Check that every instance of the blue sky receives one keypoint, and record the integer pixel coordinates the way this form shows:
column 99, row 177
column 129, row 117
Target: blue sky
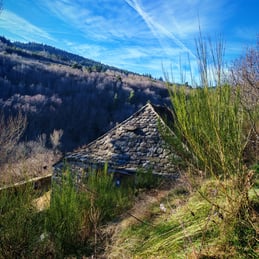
column 137, row 35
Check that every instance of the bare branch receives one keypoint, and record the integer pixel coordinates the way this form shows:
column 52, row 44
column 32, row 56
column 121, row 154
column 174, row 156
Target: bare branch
column 245, row 73
column 11, row 130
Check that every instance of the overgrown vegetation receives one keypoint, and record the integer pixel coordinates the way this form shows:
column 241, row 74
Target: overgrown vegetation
column 71, row 224
column 212, row 129
column 20, row 226
column 213, row 211
column 64, row 218
column 189, row 228
column 210, row 122
column 146, row 180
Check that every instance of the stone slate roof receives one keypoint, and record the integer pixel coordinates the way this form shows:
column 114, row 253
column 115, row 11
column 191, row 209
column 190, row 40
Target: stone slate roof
column 135, row 143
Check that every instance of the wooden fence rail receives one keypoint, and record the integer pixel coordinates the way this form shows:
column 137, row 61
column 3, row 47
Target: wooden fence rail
column 39, row 183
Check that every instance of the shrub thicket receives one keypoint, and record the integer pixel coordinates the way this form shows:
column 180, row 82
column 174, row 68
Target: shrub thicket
column 71, row 224
column 209, row 132
column 20, row 226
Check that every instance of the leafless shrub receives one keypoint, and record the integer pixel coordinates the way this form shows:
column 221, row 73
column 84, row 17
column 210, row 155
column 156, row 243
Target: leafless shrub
column 29, row 149
column 55, row 138
column 11, row 130
column 22, row 160
column 28, row 159
column 42, row 139
column 245, row 73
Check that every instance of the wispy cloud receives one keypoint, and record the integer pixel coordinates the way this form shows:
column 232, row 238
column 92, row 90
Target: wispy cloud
column 158, row 30
column 20, row 27
column 169, row 24
column 136, row 35
column 126, row 40
column 99, row 20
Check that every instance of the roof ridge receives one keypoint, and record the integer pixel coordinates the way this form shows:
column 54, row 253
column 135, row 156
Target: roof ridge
column 134, row 142
column 148, row 104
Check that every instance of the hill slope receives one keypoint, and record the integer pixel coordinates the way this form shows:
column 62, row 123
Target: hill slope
column 60, row 90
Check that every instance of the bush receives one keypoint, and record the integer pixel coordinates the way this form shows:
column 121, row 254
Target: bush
column 78, row 209
column 64, row 218
column 11, row 130
column 209, row 132
column 20, row 225
column 209, row 122
column 71, row 224
column 105, row 196
column 147, row 180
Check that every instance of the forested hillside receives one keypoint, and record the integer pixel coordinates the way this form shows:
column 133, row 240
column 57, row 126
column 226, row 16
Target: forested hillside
column 59, row 90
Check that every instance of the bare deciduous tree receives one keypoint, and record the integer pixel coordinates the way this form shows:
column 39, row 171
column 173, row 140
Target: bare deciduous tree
column 55, row 138
column 11, row 130
column 245, row 73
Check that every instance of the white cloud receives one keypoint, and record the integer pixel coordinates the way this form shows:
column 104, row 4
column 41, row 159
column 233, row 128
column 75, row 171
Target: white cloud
column 22, row 28
column 97, row 20
column 159, row 31
column 137, row 35
column 91, row 51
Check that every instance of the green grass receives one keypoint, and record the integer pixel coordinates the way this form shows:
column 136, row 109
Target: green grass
column 190, row 228
column 174, row 237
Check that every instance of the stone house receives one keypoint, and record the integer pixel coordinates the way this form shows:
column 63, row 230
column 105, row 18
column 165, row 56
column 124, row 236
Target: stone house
column 133, row 144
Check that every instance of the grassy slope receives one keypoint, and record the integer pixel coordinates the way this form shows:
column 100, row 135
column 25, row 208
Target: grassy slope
column 188, row 229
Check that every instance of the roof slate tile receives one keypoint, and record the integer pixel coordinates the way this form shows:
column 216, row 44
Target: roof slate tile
column 134, row 143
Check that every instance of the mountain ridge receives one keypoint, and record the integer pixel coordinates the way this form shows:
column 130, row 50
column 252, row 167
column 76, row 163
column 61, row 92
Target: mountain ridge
column 52, row 53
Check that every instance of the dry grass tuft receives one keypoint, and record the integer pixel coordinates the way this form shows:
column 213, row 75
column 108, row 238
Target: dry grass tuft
column 138, row 214
column 43, row 202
